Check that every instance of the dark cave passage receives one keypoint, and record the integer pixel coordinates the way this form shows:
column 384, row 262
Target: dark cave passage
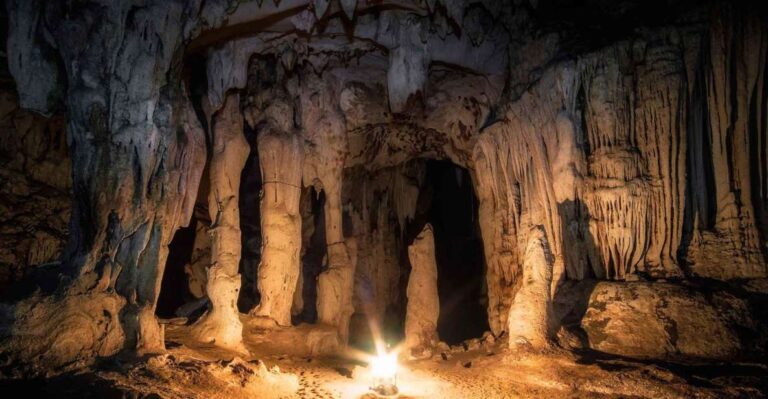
column 448, row 202
column 174, row 289
column 314, row 251
column 459, row 253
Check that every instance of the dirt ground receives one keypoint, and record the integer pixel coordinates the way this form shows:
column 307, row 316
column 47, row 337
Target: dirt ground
column 191, row 370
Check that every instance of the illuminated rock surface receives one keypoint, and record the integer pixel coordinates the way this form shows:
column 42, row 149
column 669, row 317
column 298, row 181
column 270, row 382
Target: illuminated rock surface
column 185, row 180
column 423, row 302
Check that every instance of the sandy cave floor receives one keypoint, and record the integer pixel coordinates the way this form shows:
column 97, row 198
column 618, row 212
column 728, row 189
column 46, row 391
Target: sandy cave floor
column 192, row 370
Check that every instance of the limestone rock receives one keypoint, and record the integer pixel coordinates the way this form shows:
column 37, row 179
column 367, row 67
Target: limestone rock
column 530, row 315
column 423, row 302
column 657, row 320
column 279, row 154
column 222, row 325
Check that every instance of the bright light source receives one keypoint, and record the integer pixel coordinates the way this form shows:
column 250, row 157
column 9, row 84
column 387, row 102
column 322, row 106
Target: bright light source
column 384, row 366
column 384, row 373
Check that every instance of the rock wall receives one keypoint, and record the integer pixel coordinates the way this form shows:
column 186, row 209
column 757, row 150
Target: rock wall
column 662, row 320
column 135, row 145
column 35, row 192
column 611, row 152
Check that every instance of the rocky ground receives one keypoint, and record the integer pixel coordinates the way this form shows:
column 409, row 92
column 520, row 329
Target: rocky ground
column 476, row 369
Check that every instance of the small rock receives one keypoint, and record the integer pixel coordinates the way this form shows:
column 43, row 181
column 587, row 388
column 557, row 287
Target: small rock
column 443, row 347
column 473, row 344
column 488, row 338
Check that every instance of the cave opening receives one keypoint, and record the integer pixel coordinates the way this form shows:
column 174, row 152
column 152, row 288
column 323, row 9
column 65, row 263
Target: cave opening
column 174, row 289
column 447, row 201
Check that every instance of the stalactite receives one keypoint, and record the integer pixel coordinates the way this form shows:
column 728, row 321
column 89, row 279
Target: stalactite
column 372, row 213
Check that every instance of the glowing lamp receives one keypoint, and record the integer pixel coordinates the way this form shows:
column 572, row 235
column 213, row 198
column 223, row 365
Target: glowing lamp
column 384, row 374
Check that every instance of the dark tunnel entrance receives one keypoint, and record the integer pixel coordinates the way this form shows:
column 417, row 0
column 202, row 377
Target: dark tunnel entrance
column 313, row 254
column 448, row 202
column 174, row 291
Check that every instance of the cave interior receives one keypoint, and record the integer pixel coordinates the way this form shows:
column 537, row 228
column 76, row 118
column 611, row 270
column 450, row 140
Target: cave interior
column 384, row 198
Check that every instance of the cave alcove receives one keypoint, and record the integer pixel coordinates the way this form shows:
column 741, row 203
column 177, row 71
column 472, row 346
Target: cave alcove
column 174, row 289
column 447, row 201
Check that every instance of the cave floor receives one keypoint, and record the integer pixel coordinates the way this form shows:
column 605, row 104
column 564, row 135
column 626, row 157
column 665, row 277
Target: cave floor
column 191, row 370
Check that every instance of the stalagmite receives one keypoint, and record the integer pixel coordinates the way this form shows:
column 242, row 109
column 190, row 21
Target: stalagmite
column 530, row 315
column 222, row 325
column 423, row 302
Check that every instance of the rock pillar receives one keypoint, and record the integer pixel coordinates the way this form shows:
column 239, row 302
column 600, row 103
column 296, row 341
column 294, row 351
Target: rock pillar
column 222, row 324
column 529, row 316
column 335, row 286
column 281, row 156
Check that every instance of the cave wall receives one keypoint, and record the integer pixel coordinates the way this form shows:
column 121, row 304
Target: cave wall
column 635, row 157
column 35, row 194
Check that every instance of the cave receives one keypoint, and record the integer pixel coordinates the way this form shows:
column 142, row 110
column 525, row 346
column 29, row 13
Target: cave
column 384, row 198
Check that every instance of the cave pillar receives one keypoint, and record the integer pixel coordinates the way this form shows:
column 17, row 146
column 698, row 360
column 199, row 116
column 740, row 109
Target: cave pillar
column 530, row 314
column 281, row 157
column 423, row 307
column 222, row 324
column 336, row 284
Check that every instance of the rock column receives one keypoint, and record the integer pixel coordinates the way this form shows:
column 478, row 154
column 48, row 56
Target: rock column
column 335, row 286
column 529, row 315
column 281, row 155
column 222, row 324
